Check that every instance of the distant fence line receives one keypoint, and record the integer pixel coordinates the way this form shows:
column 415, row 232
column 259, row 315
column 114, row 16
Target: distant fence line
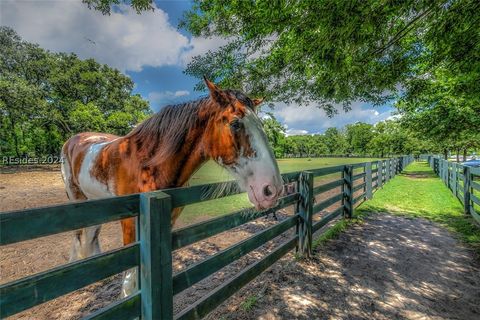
column 305, row 155
column 152, row 252
column 462, row 180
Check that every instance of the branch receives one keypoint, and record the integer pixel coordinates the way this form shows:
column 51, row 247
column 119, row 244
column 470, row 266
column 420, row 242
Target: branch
column 402, row 33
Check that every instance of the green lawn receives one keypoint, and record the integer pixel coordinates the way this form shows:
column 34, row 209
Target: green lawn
column 211, row 172
column 417, row 192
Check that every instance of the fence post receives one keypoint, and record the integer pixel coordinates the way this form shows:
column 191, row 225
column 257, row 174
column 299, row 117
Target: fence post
column 306, row 213
column 379, row 174
column 387, row 170
column 368, row 180
column 454, row 178
column 448, row 173
column 444, row 164
column 156, row 256
column 466, row 189
column 348, row 191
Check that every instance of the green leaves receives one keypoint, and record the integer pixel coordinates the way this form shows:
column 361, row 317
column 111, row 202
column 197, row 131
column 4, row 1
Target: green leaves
column 331, row 52
column 47, row 97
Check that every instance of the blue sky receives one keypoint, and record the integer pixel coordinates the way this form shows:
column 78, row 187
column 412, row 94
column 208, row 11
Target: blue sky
column 152, row 51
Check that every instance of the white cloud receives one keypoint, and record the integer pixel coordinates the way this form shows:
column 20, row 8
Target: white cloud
column 296, row 132
column 199, row 46
column 159, row 99
column 125, row 39
column 181, row 93
column 310, row 119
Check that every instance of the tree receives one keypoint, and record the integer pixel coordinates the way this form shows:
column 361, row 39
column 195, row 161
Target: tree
column 328, row 52
column 275, row 132
column 105, row 6
column 358, row 137
column 47, row 97
column 335, row 141
column 439, row 109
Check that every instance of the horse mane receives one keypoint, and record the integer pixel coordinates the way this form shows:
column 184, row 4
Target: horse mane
column 168, row 128
column 165, row 132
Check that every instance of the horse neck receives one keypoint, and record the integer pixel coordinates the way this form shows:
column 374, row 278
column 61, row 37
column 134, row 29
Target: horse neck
column 172, row 169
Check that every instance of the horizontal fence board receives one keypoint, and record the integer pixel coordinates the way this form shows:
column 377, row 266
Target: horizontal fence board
column 357, row 165
column 125, row 309
column 359, row 198
column 359, row 187
column 222, row 293
column 475, row 199
column 195, row 194
column 475, row 185
column 327, row 186
column 358, row 176
column 474, row 215
column 27, row 292
column 327, row 203
column 203, row 269
column 329, row 217
column 188, row 235
column 326, row 170
column 475, row 171
column 29, row 224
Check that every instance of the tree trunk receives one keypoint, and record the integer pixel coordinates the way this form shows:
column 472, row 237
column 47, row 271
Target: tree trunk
column 445, row 154
column 458, row 154
column 465, row 154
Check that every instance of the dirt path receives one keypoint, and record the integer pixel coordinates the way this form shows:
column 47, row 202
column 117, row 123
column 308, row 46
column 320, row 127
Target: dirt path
column 388, row 267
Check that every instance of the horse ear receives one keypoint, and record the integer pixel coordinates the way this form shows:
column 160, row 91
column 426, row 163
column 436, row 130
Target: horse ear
column 215, row 92
column 257, row 102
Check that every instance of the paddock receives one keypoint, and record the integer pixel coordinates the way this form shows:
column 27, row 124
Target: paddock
column 94, row 297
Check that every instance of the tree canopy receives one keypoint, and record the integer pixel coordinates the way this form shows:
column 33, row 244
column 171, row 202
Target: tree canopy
column 328, row 52
column 46, row 97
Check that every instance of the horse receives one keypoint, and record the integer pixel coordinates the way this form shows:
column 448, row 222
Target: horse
column 164, row 151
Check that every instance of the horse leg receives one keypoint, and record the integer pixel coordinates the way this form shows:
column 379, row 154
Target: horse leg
column 130, row 277
column 175, row 214
column 85, row 243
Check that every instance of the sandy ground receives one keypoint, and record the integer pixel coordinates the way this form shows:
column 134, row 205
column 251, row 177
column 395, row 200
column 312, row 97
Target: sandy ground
column 388, row 267
column 385, row 268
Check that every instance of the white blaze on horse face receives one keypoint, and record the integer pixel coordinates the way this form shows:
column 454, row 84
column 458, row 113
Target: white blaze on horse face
column 90, row 186
column 259, row 175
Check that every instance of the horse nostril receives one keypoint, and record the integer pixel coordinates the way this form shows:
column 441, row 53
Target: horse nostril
column 269, row 191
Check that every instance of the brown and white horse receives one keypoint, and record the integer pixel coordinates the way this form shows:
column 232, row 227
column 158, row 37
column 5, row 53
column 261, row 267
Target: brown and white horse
column 163, row 152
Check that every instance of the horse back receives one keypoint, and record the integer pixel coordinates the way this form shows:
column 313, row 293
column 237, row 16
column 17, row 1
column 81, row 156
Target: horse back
column 78, row 150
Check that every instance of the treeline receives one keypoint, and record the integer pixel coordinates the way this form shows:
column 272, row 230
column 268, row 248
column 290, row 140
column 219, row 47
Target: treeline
column 46, row 97
column 384, row 139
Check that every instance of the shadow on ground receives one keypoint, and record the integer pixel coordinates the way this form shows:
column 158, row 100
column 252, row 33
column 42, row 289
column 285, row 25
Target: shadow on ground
column 388, row 267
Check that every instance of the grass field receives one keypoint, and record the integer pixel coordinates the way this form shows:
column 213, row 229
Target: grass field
column 418, row 192
column 211, row 172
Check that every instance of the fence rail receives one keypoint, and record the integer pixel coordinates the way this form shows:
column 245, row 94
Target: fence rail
column 152, row 252
column 463, row 181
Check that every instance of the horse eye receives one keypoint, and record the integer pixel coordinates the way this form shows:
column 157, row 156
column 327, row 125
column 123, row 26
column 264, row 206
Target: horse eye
column 235, row 125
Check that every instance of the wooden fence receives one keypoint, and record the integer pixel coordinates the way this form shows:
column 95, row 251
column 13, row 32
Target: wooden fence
column 152, row 253
column 463, row 181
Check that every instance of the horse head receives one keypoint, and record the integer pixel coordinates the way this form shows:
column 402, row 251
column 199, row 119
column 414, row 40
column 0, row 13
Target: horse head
column 237, row 142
